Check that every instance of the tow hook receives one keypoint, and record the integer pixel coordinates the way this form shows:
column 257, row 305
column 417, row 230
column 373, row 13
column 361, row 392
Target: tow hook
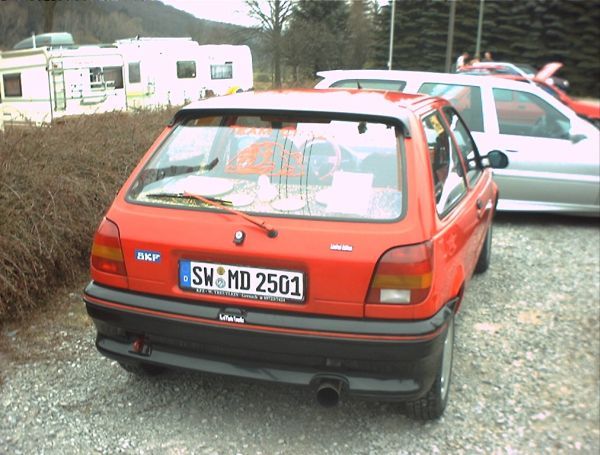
column 140, row 346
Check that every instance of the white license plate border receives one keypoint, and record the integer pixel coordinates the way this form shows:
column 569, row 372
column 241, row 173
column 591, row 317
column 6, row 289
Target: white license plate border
column 241, row 295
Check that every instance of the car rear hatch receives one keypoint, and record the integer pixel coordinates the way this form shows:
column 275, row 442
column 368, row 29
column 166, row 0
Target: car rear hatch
column 286, row 212
column 310, row 266
column 548, row 70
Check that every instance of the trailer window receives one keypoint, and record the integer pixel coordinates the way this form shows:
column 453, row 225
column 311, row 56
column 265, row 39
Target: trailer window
column 221, row 71
column 186, row 69
column 107, row 77
column 134, row 73
column 12, row 85
column 114, row 75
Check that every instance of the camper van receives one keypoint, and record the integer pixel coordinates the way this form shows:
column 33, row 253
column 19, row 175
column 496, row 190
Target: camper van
column 160, row 71
column 40, row 85
column 226, row 68
column 175, row 71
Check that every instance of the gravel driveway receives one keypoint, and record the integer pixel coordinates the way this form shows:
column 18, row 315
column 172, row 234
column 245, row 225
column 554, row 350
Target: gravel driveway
column 526, row 376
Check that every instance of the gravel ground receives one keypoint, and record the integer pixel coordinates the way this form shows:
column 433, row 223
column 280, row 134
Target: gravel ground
column 526, row 376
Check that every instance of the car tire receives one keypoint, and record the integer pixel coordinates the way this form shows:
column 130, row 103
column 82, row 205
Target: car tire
column 433, row 404
column 485, row 257
column 142, row 369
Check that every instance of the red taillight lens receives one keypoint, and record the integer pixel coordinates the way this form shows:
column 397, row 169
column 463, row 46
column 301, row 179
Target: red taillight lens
column 403, row 275
column 107, row 255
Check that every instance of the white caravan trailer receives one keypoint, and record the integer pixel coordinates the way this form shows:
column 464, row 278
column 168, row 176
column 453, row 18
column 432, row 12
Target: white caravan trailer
column 175, row 71
column 161, row 71
column 40, row 85
column 226, row 68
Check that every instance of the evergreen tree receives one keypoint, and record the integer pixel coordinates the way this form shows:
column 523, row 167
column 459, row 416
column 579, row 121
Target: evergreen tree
column 360, row 28
column 380, row 43
column 524, row 31
column 434, row 36
column 318, row 36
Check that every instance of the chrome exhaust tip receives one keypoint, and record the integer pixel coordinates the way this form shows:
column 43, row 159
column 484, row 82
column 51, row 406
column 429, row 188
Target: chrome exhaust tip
column 328, row 393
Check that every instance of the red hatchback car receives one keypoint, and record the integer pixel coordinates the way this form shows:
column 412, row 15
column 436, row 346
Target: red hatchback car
column 312, row 237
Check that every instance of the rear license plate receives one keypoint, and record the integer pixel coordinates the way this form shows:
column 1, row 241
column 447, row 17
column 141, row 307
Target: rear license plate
column 244, row 282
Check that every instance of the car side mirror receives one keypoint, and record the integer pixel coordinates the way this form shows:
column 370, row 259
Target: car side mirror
column 575, row 138
column 495, row 159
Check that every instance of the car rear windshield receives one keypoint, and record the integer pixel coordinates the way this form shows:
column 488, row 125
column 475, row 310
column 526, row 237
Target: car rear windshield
column 372, row 84
column 297, row 166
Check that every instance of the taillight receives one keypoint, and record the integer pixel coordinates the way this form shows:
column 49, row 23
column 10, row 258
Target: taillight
column 403, row 275
column 107, row 255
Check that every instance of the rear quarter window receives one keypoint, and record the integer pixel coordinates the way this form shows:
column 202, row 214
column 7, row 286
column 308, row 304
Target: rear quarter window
column 449, row 185
column 465, row 144
column 465, row 98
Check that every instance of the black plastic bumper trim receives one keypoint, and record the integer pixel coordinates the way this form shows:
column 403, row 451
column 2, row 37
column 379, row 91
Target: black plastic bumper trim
column 278, row 320
column 363, row 385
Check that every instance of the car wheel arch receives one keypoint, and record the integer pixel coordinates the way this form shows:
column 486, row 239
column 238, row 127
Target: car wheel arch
column 459, row 297
column 452, row 290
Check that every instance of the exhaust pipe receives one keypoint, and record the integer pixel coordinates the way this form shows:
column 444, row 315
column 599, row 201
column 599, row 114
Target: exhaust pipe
column 328, row 392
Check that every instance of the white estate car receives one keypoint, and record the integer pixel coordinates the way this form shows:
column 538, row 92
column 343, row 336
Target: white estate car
column 554, row 155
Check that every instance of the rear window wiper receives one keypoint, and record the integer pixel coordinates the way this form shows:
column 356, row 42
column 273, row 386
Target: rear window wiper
column 271, row 231
column 220, row 204
column 223, row 202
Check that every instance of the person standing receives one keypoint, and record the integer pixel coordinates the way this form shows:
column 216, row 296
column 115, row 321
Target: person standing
column 462, row 60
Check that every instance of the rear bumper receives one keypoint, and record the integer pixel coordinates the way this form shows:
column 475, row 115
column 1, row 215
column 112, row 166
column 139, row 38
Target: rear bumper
column 392, row 360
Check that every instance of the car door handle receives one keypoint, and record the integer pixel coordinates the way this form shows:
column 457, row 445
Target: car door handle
column 480, row 209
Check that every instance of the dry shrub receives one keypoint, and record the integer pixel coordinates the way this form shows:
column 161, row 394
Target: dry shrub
column 55, row 184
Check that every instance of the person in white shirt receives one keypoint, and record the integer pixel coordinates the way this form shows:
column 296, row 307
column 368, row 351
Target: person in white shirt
column 462, row 60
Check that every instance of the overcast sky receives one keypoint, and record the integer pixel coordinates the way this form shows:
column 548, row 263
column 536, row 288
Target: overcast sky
column 230, row 11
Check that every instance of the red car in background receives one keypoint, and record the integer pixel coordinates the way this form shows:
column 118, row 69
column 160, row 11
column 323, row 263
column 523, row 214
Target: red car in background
column 320, row 238
column 544, row 79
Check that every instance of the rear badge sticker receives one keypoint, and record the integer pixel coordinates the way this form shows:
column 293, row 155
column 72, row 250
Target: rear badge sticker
column 147, row 256
column 340, row 247
column 236, row 317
